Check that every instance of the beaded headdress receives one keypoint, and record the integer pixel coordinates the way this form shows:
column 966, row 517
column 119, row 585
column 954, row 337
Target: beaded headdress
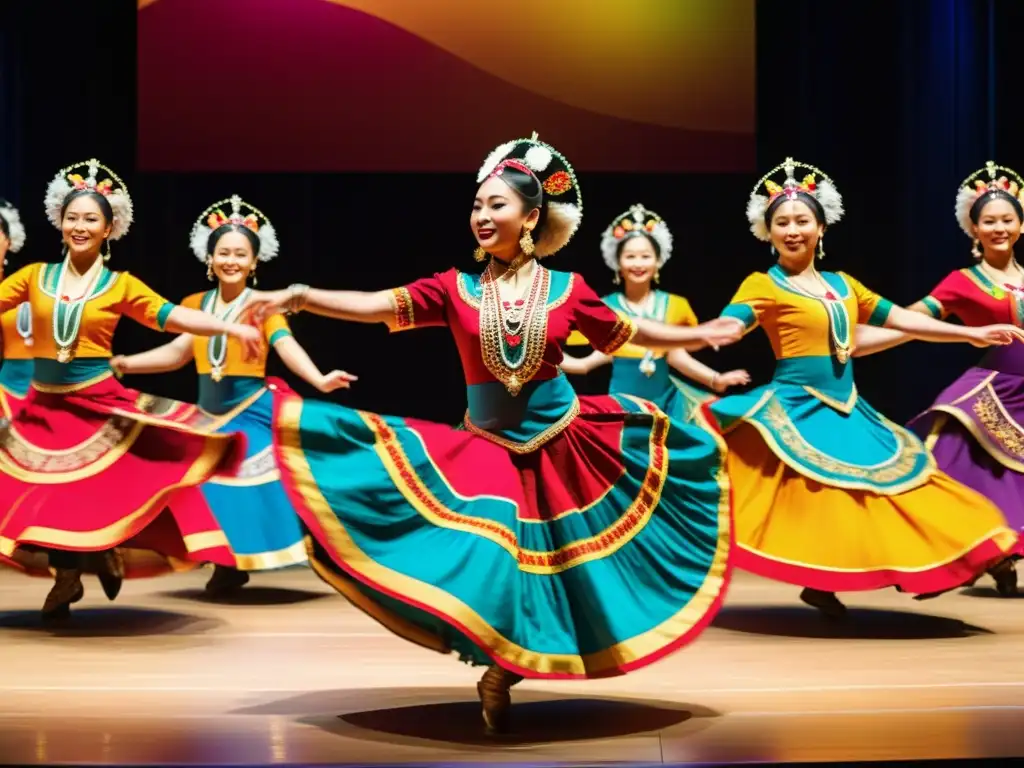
column 815, row 183
column 241, row 214
column 632, row 223
column 86, row 176
column 15, row 229
column 561, row 191
column 985, row 181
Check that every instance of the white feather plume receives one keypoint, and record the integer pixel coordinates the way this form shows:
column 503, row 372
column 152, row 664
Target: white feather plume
column 14, row 227
column 965, row 197
column 200, row 238
column 563, row 221
column 831, row 201
column 537, row 158
column 756, row 206
column 493, row 159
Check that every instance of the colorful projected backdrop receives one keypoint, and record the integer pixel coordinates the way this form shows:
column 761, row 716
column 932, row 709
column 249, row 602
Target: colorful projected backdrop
column 433, row 85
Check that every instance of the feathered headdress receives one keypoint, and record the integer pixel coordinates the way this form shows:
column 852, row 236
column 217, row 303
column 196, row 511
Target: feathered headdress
column 628, row 224
column 15, row 229
column 815, row 183
column 974, row 187
column 251, row 218
column 561, row 195
column 71, row 179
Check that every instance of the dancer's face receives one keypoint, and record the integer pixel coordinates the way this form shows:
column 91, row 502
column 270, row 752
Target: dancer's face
column 499, row 218
column 84, row 226
column 795, row 233
column 638, row 261
column 233, row 258
column 998, row 228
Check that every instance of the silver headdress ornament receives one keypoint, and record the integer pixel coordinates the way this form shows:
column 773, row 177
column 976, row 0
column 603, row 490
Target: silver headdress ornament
column 815, row 183
column 631, row 223
column 562, row 196
column 974, row 186
column 15, row 229
column 253, row 219
column 67, row 181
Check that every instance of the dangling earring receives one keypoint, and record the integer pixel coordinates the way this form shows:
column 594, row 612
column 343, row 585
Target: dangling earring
column 976, row 250
column 773, row 250
column 657, row 275
column 209, row 270
column 106, row 256
column 252, row 273
column 617, row 279
column 821, row 247
column 526, row 243
column 480, row 254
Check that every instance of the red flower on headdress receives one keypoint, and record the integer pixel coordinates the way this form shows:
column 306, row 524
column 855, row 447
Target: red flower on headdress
column 558, row 183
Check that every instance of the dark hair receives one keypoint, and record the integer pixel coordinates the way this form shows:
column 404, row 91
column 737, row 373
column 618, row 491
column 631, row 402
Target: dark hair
column 219, row 232
column 638, row 233
column 995, row 194
column 3, row 221
column 104, row 204
column 528, row 187
column 810, row 200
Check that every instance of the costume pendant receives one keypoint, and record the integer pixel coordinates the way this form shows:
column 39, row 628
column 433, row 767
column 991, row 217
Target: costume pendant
column 28, row 341
column 65, row 354
column 647, row 366
column 513, row 385
column 842, row 355
column 217, row 373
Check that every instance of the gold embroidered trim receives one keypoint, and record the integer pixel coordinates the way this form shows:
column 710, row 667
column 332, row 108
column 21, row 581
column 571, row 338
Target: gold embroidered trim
column 622, row 333
column 908, row 451
column 64, row 389
column 401, row 303
column 534, row 442
column 998, row 423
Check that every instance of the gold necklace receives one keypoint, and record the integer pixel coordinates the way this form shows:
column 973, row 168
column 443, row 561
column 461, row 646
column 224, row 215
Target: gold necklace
column 513, row 332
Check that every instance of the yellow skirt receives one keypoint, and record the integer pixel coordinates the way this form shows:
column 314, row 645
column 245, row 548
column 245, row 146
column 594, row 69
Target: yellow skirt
column 791, row 528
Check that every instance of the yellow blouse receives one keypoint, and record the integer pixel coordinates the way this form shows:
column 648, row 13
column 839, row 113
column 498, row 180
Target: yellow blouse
column 14, row 344
column 275, row 327
column 669, row 308
column 798, row 325
column 114, row 294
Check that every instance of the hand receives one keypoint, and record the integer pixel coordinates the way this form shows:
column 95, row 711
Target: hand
column 721, row 332
column 722, row 381
column 118, row 365
column 251, row 338
column 263, row 304
column 335, row 380
column 994, row 335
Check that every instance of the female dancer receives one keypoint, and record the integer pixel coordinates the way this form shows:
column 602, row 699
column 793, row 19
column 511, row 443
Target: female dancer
column 16, row 324
column 555, row 536
column 87, row 466
column 235, row 394
column 974, row 427
column 829, row 494
column 635, row 247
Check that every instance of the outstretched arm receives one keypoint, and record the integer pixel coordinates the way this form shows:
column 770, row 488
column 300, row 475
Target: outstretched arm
column 581, row 366
column 662, row 337
column 167, row 357
column 358, row 306
column 299, row 363
column 694, row 369
column 870, row 339
column 927, row 328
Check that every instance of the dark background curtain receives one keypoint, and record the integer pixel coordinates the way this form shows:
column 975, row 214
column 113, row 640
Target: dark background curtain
column 897, row 101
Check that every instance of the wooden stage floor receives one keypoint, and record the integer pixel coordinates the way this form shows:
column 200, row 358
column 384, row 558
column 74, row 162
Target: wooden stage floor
column 290, row 673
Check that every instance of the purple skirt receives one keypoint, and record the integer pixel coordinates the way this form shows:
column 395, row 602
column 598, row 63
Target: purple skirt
column 975, row 429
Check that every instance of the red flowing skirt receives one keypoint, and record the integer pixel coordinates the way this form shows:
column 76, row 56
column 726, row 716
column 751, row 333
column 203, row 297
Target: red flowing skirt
column 103, row 467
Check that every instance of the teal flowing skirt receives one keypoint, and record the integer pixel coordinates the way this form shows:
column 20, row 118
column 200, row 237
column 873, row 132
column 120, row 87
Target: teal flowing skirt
column 594, row 553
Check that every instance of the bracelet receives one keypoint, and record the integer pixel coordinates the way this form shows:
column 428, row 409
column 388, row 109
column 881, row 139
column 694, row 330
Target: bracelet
column 297, row 300
column 711, row 384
